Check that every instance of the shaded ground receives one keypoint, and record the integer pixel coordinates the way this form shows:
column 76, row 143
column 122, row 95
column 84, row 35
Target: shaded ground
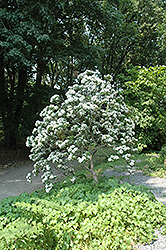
column 13, row 180
column 13, row 156
column 14, row 166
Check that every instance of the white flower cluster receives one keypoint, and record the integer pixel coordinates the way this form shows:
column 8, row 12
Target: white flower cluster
column 92, row 115
column 113, row 157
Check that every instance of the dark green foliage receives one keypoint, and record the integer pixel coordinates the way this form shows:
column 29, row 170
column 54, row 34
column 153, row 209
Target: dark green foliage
column 162, row 154
column 48, row 43
column 39, row 43
column 81, row 216
column 132, row 34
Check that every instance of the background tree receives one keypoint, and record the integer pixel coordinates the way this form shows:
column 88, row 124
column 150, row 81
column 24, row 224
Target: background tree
column 46, row 43
column 131, row 34
column 150, row 18
column 145, row 90
column 34, row 35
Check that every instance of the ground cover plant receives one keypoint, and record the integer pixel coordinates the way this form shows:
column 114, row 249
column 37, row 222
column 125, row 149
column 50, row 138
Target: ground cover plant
column 81, row 215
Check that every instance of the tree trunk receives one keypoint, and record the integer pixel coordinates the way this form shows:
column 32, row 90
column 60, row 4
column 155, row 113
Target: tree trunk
column 10, row 140
column 2, row 90
column 92, row 171
column 13, row 118
column 4, row 107
column 39, row 76
column 20, row 95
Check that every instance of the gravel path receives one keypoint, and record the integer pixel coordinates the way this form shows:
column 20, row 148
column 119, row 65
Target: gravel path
column 157, row 185
column 13, row 180
column 159, row 244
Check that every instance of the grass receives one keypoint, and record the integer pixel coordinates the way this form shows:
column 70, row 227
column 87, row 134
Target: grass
column 150, row 164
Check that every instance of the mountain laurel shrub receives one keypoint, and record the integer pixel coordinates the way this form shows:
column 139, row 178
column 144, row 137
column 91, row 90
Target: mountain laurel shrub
column 93, row 116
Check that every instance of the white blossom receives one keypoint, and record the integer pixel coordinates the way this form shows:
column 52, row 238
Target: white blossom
column 113, row 158
column 132, row 163
column 29, row 177
column 81, row 159
column 92, row 115
column 54, row 98
column 73, row 179
column 48, row 187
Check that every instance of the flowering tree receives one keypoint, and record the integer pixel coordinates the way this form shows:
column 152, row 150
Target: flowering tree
column 92, row 116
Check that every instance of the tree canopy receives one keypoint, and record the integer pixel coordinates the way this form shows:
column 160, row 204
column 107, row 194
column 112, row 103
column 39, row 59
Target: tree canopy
column 45, row 44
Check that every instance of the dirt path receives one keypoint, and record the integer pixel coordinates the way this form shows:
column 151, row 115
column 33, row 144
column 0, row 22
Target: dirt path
column 13, row 181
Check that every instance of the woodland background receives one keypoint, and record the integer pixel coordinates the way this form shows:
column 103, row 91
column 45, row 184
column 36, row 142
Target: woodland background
column 45, row 44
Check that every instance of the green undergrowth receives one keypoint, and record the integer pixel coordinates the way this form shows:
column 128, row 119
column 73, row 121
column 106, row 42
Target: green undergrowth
column 81, row 215
column 151, row 164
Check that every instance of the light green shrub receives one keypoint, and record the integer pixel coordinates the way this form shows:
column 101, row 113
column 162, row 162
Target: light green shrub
column 145, row 90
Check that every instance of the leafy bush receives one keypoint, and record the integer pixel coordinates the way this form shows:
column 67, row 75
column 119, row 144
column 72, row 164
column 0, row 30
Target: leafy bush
column 81, row 216
column 93, row 116
column 162, row 154
column 155, row 164
column 145, row 90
